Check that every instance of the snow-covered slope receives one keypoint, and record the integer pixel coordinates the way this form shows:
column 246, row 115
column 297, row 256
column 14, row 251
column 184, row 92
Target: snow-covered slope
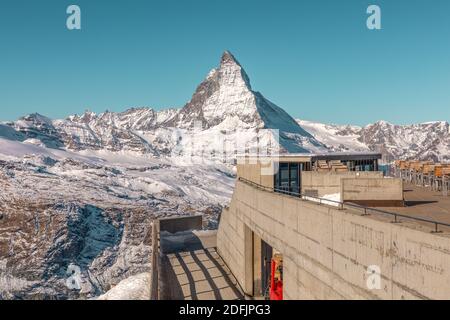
column 92, row 209
column 336, row 137
column 425, row 141
column 133, row 288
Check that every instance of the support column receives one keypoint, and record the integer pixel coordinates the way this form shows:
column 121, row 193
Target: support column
column 248, row 264
column 257, row 275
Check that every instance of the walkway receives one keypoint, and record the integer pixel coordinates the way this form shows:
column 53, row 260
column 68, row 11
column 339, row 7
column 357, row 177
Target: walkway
column 191, row 269
column 425, row 203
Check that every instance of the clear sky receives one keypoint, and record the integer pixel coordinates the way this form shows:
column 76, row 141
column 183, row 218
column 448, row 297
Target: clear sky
column 316, row 59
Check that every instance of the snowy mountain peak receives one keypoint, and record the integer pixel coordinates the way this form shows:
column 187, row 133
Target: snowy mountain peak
column 86, row 117
column 229, row 65
column 36, row 118
column 224, row 96
column 228, row 57
column 226, row 100
column 383, row 123
column 37, row 126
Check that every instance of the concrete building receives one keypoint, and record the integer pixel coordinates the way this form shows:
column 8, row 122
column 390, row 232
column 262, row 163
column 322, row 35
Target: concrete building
column 332, row 248
column 352, row 177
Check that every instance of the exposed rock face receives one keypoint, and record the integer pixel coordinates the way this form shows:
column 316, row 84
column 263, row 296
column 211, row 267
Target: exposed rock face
column 47, row 238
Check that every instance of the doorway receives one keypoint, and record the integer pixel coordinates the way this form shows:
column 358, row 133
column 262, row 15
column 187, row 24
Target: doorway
column 263, row 268
column 266, row 261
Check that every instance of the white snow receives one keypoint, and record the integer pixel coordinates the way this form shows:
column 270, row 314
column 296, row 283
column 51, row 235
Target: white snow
column 201, row 182
column 9, row 148
column 35, row 142
column 328, row 199
column 133, row 288
column 335, row 135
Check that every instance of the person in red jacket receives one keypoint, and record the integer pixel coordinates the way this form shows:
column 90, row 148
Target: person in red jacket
column 276, row 281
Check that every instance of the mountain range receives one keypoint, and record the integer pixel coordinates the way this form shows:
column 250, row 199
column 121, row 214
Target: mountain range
column 225, row 102
column 423, row 141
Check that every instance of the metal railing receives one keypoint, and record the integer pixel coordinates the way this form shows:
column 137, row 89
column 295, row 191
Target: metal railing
column 366, row 211
column 429, row 180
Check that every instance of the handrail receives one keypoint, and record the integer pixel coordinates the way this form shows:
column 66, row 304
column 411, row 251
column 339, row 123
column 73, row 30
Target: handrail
column 342, row 205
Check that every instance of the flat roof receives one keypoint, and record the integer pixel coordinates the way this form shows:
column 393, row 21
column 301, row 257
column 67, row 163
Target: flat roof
column 321, row 156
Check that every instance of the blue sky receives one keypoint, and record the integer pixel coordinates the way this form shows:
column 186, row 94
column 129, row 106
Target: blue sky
column 316, row 59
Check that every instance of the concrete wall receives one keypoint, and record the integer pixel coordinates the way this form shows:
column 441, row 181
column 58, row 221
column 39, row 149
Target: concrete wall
column 325, row 183
column 179, row 224
column 369, row 191
column 327, row 251
column 262, row 174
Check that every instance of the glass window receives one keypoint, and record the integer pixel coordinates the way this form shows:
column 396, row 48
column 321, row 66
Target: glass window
column 284, row 172
column 284, row 176
column 294, row 172
column 294, row 182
